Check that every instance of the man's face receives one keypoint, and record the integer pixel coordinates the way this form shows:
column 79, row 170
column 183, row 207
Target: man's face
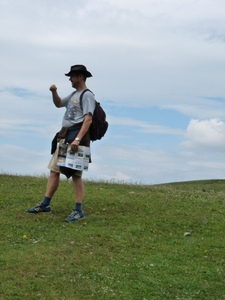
column 75, row 79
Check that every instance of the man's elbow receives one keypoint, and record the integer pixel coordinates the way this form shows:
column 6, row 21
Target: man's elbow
column 89, row 122
column 88, row 119
column 58, row 104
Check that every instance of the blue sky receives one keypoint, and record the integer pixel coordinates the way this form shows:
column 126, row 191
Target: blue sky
column 158, row 70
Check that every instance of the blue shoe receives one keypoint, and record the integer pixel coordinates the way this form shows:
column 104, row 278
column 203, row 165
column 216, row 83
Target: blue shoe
column 39, row 208
column 75, row 216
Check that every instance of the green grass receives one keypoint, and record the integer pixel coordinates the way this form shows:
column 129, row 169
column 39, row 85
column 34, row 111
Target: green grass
column 131, row 245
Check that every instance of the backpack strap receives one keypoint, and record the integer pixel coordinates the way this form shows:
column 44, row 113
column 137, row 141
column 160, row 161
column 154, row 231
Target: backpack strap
column 81, row 97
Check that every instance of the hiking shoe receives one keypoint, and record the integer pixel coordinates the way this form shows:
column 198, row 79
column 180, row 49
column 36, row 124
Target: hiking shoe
column 39, row 208
column 75, row 216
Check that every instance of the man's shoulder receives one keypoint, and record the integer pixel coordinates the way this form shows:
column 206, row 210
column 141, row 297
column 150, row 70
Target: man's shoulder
column 87, row 94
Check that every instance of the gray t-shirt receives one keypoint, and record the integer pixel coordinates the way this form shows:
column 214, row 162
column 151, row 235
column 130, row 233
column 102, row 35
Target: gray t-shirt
column 74, row 114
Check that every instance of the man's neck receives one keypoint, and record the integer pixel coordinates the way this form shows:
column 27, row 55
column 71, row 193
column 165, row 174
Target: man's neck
column 81, row 87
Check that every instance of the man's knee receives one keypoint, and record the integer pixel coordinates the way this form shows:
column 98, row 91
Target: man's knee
column 77, row 174
column 76, row 177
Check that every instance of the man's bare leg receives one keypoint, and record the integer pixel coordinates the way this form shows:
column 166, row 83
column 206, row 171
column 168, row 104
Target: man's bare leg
column 78, row 188
column 53, row 184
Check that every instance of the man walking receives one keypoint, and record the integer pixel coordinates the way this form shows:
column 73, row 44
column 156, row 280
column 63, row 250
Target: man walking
column 75, row 130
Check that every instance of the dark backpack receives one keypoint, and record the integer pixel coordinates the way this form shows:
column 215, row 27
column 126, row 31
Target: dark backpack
column 99, row 124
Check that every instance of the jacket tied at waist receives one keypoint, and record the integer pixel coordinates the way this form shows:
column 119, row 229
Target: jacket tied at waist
column 69, row 134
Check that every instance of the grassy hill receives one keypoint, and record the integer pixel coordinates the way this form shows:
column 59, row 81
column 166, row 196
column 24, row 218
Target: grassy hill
column 136, row 242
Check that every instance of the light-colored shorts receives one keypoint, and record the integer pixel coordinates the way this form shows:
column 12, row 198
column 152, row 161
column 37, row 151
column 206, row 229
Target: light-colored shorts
column 52, row 165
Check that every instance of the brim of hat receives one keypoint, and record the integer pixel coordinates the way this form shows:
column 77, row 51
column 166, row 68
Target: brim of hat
column 87, row 73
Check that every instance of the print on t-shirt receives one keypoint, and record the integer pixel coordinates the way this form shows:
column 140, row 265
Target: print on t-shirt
column 71, row 109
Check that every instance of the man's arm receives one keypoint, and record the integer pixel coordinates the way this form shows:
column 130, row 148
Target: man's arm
column 84, row 128
column 55, row 97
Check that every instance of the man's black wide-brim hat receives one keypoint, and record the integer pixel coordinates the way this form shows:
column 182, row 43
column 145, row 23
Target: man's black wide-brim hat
column 79, row 69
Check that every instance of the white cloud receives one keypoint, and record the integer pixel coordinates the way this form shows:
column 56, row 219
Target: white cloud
column 198, row 107
column 150, row 166
column 206, row 135
column 22, row 111
column 145, row 127
column 20, row 160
